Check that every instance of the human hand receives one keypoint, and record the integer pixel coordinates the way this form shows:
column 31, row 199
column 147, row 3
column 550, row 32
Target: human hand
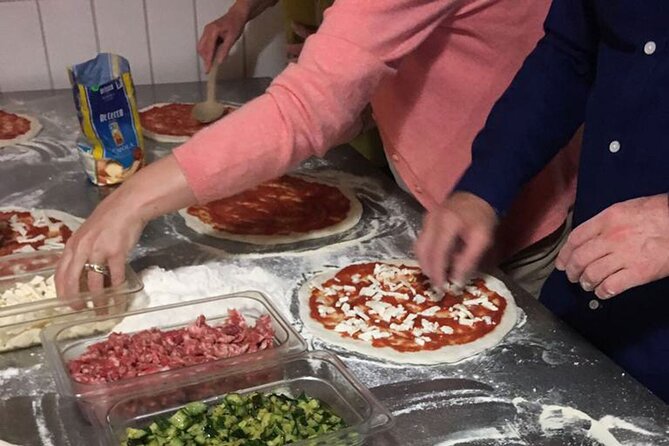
column 225, row 31
column 113, row 229
column 624, row 246
column 454, row 238
column 293, row 50
column 105, row 239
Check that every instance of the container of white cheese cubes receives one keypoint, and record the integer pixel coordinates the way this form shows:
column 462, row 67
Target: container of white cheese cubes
column 28, row 300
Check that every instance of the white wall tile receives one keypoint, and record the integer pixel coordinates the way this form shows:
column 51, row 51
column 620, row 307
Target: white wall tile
column 22, row 58
column 208, row 10
column 122, row 30
column 172, row 39
column 70, row 36
column 265, row 44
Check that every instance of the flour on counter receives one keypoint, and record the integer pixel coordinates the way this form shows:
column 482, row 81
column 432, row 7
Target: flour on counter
column 556, row 421
column 8, row 374
column 195, row 282
column 507, row 435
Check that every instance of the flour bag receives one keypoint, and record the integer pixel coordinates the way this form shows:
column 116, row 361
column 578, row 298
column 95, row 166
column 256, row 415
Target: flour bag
column 112, row 147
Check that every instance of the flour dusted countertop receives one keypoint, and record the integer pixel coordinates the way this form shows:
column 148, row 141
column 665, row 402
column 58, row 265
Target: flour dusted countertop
column 543, row 386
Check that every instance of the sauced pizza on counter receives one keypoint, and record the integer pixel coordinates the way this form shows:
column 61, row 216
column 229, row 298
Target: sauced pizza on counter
column 395, row 306
column 12, row 126
column 23, row 231
column 287, row 205
column 173, row 119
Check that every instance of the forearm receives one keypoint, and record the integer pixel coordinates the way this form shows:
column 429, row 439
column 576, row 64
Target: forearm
column 540, row 111
column 253, row 8
column 156, row 190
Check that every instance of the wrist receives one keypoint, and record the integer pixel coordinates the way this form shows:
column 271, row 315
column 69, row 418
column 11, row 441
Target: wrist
column 243, row 9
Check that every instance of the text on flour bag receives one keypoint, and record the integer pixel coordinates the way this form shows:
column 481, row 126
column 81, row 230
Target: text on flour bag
column 111, row 148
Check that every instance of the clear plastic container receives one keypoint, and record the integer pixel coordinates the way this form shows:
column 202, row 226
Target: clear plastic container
column 318, row 374
column 95, row 399
column 20, row 324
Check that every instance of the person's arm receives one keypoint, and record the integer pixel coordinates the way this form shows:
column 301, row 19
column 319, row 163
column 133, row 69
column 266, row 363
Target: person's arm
column 531, row 122
column 227, row 29
column 310, row 106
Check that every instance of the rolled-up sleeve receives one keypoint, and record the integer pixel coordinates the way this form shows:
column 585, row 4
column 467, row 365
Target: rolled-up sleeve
column 314, row 102
column 540, row 111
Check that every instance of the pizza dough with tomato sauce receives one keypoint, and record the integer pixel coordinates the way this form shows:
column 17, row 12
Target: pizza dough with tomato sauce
column 388, row 310
column 16, row 128
column 288, row 209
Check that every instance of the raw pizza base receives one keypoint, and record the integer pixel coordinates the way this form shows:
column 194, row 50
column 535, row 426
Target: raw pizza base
column 446, row 354
column 352, row 218
column 68, row 220
column 35, row 128
column 169, row 138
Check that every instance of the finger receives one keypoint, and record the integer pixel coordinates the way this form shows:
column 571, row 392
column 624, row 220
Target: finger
column 441, row 252
column 71, row 277
column 61, row 269
column 301, row 30
column 617, row 283
column 595, row 273
column 465, row 261
column 294, row 50
column 581, row 234
column 584, row 255
column 116, row 265
column 425, row 245
column 96, row 286
column 224, row 50
column 207, row 49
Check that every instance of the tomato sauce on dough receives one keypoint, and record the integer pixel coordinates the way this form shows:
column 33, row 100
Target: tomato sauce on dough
column 416, row 283
column 283, row 206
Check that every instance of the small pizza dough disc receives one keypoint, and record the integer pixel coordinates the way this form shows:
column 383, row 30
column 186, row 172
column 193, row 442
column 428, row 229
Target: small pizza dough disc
column 352, row 218
column 35, row 128
column 173, row 139
column 157, row 136
column 68, row 220
column 447, row 354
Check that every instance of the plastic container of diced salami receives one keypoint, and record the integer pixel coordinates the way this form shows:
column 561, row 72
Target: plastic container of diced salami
column 317, row 374
column 21, row 323
column 94, row 400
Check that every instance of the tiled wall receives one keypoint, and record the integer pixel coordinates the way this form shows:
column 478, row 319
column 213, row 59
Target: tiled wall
column 39, row 38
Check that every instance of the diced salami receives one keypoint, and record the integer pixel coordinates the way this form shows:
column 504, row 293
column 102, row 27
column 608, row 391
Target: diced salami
column 122, row 356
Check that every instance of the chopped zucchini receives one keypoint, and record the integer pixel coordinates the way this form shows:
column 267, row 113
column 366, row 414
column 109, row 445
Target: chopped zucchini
column 241, row 420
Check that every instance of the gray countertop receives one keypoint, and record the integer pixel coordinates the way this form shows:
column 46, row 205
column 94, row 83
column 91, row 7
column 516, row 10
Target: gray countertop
column 543, row 385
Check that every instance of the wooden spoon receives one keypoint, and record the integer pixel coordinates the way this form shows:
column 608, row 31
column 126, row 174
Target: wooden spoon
column 209, row 110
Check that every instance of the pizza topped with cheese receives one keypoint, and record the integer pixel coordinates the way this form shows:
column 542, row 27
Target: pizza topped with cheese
column 283, row 210
column 17, row 128
column 23, row 231
column 172, row 122
column 390, row 309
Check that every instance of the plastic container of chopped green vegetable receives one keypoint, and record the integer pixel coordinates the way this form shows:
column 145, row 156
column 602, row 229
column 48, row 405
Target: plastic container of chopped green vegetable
column 94, row 399
column 272, row 403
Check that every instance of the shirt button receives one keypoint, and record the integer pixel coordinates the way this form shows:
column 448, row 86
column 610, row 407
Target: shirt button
column 614, row 146
column 395, row 157
column 419, row 189
column 593, row 304
column 649, row 48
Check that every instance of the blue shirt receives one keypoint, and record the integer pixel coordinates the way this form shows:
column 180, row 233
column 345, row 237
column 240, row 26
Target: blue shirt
column 604, row 63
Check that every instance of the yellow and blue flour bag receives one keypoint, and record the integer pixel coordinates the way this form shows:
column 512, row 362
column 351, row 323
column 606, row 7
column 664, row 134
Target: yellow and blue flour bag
column 112, row 147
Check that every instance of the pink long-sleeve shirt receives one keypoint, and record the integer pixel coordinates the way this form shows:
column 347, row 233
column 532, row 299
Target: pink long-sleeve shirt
column 431, row 69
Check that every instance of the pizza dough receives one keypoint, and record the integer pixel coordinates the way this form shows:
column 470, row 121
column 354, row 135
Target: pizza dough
column 445, row 354
column 16, row 128
column 174, row 124
column 349, row 221
column 68, row 220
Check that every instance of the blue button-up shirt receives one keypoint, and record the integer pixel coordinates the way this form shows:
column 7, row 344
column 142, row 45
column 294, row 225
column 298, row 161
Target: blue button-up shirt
column 604, row 63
